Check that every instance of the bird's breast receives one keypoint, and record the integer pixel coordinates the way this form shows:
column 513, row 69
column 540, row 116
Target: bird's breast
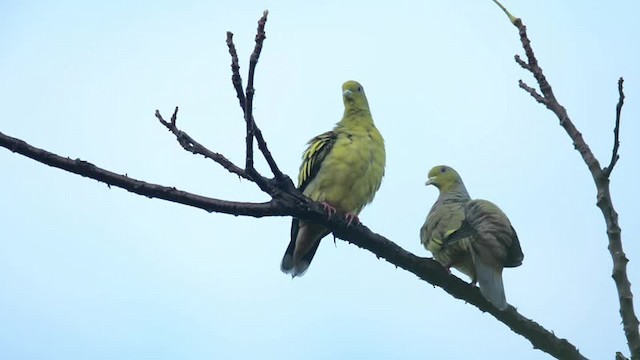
column 350, row 176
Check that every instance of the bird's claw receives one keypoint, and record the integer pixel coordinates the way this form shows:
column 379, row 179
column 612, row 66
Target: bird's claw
column 329, row 209
column 351, row 217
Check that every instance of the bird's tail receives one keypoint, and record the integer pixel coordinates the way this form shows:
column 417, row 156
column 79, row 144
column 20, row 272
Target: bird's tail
column 305, row 239
column 490, row 283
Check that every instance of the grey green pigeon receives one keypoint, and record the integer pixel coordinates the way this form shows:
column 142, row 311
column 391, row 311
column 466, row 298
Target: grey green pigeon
column 473, row 236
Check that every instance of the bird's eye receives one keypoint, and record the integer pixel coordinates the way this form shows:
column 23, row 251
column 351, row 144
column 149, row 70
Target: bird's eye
column 359, row 88
column 443, row 169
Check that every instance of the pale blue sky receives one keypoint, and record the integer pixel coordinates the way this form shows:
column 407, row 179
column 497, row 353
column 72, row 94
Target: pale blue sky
column 88, row 272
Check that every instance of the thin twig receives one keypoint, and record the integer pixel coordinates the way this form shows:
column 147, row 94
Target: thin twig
column 616, row 131
column 250, row 91
column 532, row 92
column 246, row 106
column 236, row 79
column 262, row 144
column 552, row 103
column 521, row 62
column 189, row 144
column 601, row 179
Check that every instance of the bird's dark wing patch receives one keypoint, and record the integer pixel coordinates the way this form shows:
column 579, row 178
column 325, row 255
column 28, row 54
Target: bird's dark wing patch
column 318, row 149
column 514, row 253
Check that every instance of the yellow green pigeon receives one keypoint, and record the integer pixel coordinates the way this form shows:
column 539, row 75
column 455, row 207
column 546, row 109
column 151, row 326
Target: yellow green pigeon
column 473, row 236
column 342, row 169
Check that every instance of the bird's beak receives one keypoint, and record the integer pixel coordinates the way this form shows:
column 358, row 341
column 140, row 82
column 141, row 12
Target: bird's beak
column 430, row 181
column 347, row 93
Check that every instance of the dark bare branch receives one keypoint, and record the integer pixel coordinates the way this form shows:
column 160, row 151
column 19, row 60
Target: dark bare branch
column 522, row 63
column 287, row 203
column 189, row 144
column 236, row 80
column 87, row 169
column 432, row 272
column 601, row 179
column 552, row 103
column 246, row 101
column 532, row 92
column 250, row 91
column 174, row 116
column 262, row 144
column 616, row 131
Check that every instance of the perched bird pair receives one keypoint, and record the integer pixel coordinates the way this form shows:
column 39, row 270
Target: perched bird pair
column 343, row 169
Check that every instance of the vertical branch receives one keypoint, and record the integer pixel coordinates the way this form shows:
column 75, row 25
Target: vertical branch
column 619, row 273
column 616, row 130
column 248, row 106
column 246, row 100
column 262, row 144
column 600, row 177
column 235, row 70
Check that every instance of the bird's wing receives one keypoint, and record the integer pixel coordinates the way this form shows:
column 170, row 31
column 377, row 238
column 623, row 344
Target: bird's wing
column 514, row 254
column 318, row 149
column 494, row 245
column 495, row 237
column 443, row 224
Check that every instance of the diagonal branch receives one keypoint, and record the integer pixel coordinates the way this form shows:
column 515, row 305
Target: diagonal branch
column 87, row 169
column 616, row 131
column 552, row 103
column 189, row 144
column 533, row 92
column 432, row 272
column 521, row 62
column 290, row 204
column 601, row 179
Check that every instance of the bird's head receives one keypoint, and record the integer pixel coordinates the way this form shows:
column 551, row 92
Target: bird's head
column 353, row 95
column 443, row 177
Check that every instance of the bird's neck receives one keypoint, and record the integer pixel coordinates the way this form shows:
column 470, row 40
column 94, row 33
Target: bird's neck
column 356, row 115
column 354, row 109
column 454, row 192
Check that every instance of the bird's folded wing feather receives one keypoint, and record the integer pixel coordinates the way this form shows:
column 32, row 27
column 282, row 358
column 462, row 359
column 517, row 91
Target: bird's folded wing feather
column 318, row 149
column 495, row 235
column 443, row 222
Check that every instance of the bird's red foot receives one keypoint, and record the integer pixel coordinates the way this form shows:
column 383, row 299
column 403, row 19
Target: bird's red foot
column 329, row 209
column 351, row 217
column 473, row 282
